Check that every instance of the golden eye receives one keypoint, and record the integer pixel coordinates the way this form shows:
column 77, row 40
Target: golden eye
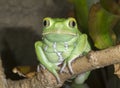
column 46, row 22
column 72, row 23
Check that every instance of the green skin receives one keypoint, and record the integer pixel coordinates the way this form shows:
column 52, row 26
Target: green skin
column 62, row 43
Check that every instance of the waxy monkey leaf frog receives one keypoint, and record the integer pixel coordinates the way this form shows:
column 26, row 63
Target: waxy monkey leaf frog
column 62, row 43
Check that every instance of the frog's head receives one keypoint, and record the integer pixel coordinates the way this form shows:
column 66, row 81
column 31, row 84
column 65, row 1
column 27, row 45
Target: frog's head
column 59, row 29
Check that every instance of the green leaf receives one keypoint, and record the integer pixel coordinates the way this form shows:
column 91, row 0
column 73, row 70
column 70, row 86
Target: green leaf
column 100, row 27
column 81, row 12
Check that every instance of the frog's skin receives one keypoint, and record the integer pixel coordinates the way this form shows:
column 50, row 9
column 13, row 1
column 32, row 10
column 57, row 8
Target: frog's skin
column 62, row 42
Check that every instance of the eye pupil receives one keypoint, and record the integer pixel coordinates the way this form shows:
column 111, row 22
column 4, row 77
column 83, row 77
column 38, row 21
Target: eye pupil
column 72, row 24
column 46, row 23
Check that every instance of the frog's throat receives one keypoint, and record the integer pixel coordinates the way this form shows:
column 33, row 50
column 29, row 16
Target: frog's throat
column 60, row 37
column 71, row 41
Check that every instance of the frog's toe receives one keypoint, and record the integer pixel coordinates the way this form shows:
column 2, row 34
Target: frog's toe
column 70, row 67
column 63, row 68
column 39, row 67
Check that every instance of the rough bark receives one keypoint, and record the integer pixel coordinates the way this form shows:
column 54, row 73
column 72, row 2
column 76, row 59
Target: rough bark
column 3, row 81
column 44, row 79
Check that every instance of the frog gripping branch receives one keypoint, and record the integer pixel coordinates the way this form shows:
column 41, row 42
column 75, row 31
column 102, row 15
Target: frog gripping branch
column 62, row 43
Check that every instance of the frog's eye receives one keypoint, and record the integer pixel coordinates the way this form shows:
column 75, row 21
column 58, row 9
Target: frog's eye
column 72, row 23
column 46, row 22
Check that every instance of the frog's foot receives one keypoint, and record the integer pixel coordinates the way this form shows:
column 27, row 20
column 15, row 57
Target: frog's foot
column 39, row 67
column 63, row 67
column 53, row 69
column 69, row 67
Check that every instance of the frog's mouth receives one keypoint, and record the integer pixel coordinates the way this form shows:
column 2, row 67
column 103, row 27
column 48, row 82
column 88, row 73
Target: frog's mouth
column 59, row 37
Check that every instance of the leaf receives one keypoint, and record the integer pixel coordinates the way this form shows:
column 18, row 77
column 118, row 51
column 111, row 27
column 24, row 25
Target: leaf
column 100, row 27
column 25, row 71
column 81, row 12
column 112, row 6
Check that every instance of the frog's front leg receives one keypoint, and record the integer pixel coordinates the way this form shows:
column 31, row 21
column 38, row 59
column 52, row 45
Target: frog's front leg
column 44, row 61
column 81, row 47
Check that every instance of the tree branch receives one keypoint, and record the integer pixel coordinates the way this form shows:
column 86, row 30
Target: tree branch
column 3, row 81
column 94, row 60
